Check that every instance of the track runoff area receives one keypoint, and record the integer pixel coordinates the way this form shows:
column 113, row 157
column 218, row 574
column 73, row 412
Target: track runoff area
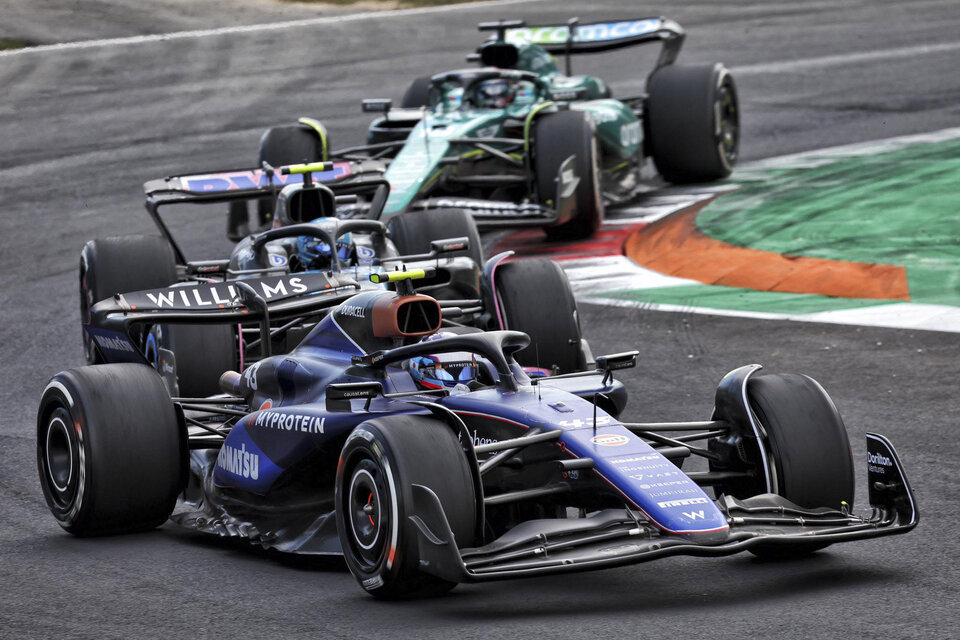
column 864, row 234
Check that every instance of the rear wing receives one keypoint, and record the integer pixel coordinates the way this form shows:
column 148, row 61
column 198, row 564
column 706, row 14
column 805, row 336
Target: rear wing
column 343, row 178
column 594, row 37
column 233, row 301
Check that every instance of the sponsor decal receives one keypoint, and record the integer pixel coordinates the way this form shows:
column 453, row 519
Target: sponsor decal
column 114, row 344
column 289, row 422
column 278, row 260
column 683, row 502
column 239, row 462
column 657, row 485
column 372, row 583
column 630, row 134
column 478, row 439
column 687, row 490
column 651, row 475
column 568, row 181
column 601, row 32
column 602, row 421
column 266, row 405
column 352, row 310
column 489, row 208
column 876, row 458
column 366, row 253
column 610, row 440
column 234, row 180
column 875, row 462
column 223, row 295
column 631, row 459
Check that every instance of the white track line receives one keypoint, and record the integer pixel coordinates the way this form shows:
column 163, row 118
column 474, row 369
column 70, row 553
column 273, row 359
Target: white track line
column 256, row 28
column 844, row 59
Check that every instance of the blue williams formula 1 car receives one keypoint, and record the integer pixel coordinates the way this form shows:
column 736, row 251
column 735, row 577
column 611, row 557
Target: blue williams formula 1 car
column 428, row 457
column 517, row 142
column 311, row 237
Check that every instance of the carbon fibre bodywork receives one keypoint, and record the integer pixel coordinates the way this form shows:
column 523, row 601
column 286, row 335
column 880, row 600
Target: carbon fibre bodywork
column 538, row 449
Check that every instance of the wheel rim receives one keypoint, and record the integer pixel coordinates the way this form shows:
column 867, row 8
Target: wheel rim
column 60, row 459
column 728, row 123
column 366, row 513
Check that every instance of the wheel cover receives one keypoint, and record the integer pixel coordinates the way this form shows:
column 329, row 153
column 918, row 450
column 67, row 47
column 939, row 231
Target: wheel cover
column 60, row 459
column 728, row 123
column 368, row 515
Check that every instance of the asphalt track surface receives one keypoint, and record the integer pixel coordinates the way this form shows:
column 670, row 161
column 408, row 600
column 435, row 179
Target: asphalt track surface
column 81, row 130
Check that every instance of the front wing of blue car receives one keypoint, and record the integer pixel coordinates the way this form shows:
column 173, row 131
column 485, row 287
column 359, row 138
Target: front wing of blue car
column 617, row 537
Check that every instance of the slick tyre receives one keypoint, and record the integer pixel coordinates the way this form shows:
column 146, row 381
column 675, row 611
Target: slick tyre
column 111, row 452
column 693, row 122
column 417, row 94
column 808, row 445
column 379, row 463
column 120, row 265
column 413, row 232
column 288, row 144
column 200, row 355
column 534, row 296
column 556, row 137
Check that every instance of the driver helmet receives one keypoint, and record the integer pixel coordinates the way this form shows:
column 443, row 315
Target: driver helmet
column 443, row 370
column 495, row 94
column 314, row 253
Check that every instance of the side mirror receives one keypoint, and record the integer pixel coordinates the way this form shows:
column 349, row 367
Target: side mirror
column 449, row 245
column 377, row 105
column 616, row 361
column 339, row 395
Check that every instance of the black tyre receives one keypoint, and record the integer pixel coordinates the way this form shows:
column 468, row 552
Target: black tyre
column 417, row 94
column 534, row 297
column 693, row 122
column 201, row 353
column 119, row 265
column 413, row 232
column 808, row 445
column 379, row 463
column 110, row 451
column 556, row 137
column 288, row 144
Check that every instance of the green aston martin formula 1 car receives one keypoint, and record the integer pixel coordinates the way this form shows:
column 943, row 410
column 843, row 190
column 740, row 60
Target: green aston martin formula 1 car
column 518, row 142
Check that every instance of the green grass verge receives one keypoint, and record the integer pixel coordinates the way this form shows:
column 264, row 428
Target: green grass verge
column 899, row 207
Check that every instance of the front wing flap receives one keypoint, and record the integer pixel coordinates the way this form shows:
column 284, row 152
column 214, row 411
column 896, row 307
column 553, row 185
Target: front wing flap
column 619, row 537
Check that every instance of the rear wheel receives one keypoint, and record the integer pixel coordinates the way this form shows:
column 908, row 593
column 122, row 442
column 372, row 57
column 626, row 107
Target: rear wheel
column 288, row 144
column 120, row 265
column 417, row 94
column 200, row 354
column 534, row 297
column 111, row 453
column 379, row 463
column 693, row 122
column 557, row 137
column 413, row 232
column 808, row 445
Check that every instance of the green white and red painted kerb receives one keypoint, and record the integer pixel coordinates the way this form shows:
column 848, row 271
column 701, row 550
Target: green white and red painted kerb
column 866, row 234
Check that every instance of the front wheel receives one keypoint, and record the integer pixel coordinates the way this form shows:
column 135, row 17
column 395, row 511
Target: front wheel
column 111, row 453
column 807, row 442
column 379, row 463
column 572, row 187
column 534, row 296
